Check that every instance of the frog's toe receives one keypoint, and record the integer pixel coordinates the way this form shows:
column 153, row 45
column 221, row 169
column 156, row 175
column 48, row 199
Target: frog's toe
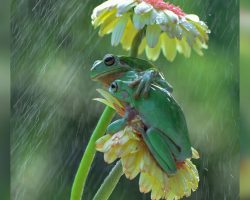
column 146, row 89
column 140, row 88
column 135, row 82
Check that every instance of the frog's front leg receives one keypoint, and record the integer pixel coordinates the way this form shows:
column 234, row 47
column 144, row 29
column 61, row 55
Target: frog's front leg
column 116, row 126
column 144, row 83
column 120, row 124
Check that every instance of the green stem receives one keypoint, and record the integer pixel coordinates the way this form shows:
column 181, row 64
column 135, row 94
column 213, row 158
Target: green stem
column 136, row 43
column 87, row 159
column 109, row 183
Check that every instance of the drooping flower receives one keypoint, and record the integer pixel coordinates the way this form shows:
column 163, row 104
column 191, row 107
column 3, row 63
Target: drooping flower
column 166, row 27
column 136, row 159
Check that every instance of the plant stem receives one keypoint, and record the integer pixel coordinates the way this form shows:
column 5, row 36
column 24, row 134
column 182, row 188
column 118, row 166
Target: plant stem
column 136, row 43
column 110, row 182
column 87, row 159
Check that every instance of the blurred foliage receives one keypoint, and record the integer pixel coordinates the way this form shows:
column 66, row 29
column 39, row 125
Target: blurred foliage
column 4, row 99
column 53, row 115
column 244, row 100
column 245, row 4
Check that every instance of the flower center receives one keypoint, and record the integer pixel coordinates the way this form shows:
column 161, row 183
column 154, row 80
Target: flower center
column 161, row 5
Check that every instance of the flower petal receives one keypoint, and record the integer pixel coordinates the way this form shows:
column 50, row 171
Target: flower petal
column 130, row 166
column 145, row 182
column 171, row 16
column 119, row 29
column 192, row 17
column 161, row 18
column 109, row 97
column 104, row 101
column 139, row 21
column 168, row 47
column 153, row 53
column 183, row 47
column 110, row 156
column 128, row 36
column 143, row 8
column 124, row 6
column 195, row 153
column 197, row 46
column 101, row 18
column 108, row 25
column 190, row 28
column 101, row 142
column 152, row 35
column 107, row 5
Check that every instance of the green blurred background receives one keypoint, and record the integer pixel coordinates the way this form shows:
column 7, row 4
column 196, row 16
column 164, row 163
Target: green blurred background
column 53, row 115
column 245, row 99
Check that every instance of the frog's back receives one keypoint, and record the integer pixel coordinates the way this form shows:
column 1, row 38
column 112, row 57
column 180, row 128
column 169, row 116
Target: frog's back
column 160, row 110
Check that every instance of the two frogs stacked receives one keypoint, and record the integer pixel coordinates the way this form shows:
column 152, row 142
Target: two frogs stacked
column 145, row 93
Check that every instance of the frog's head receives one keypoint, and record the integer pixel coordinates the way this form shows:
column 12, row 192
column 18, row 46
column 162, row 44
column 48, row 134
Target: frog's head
column 122, row 91
column 108, row 67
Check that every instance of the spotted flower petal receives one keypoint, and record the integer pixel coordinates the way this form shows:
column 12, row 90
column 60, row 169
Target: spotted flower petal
column 166, row 26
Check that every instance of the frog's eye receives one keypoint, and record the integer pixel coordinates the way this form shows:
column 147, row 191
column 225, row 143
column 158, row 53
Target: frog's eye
column 113, row 87
column 109, row 60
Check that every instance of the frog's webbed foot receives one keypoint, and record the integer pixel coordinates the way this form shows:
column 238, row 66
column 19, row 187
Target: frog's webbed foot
column 144, row 83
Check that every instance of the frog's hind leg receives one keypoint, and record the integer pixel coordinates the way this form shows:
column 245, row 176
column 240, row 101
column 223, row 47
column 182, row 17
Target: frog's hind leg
column 181, row 153
column 160, row 150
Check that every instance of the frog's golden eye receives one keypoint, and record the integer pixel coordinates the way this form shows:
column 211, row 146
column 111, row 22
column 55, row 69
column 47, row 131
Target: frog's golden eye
column 113, row 87
column 109, row 60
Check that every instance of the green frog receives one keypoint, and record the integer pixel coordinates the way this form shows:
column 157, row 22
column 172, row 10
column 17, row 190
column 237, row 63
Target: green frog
column 113, row 67
column 164, row 128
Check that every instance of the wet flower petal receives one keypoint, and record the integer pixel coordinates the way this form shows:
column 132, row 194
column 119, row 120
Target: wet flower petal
column 108, row 25
column 142, row 8
column 118, row 30
column 153, row 53
column 144, row 182
column 112, row 17
column 168, row 47
column 129, row 33
column 124, row 6
column 152, row 35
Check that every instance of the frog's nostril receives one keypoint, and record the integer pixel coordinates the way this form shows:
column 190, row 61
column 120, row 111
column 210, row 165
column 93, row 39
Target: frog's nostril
column 97, row 62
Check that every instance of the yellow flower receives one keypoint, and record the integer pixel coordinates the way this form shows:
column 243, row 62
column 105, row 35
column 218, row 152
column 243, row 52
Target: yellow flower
column 136, row 159
column 167, row 27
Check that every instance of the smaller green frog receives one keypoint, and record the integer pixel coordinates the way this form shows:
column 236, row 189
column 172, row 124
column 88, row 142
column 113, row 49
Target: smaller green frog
column 164, row 127
column 113, row 67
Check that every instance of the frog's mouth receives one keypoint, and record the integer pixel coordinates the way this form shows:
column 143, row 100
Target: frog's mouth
column 108, row 74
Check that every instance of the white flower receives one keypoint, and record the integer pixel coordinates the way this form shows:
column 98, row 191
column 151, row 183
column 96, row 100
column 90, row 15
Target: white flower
column 167, row 27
